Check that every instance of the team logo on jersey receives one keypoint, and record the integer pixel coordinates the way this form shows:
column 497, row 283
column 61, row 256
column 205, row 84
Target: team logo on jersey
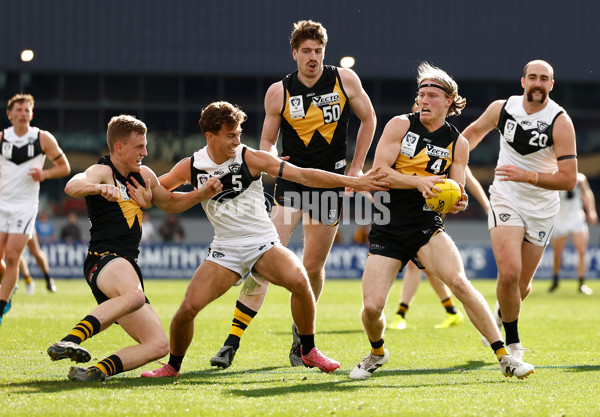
column 296, row 105
column 436, row 151
column 510, row 128
column 7, row 150
column 235, row 168
column 542, row 126
column 202, row 178
column 218, row 255
column 409, row 144
column 504, row 217
column 326, row 100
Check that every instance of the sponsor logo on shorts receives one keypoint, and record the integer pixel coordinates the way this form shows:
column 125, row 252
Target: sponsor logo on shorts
column 377, row 246
column 217, row 255
column 504, row 217
column 261, row 247
column 542, row 235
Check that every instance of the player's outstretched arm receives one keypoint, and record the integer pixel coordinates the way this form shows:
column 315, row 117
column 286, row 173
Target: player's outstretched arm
column 261, row 161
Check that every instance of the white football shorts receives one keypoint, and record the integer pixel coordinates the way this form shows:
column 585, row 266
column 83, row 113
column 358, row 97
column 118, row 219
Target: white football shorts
column 566, row 225
column 240, row 259
column 18, row 221
column 504, row 213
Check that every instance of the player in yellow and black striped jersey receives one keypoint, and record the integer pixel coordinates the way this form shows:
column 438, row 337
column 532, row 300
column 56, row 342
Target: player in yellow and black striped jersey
column 116, row 190
column 417, row 151
column 311, row 107
column 314, row 121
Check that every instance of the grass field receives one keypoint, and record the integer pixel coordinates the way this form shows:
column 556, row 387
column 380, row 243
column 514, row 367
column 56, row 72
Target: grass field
column 430, row 373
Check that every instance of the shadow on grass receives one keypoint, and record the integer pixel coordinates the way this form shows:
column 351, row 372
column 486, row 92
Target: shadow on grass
column 349, row 331
column 295, row 382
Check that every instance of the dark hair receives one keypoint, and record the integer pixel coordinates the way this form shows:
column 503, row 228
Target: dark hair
column 220, row 113
column 307, row 29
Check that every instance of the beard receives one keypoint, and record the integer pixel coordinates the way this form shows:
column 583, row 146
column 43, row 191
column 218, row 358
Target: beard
column 537, row 90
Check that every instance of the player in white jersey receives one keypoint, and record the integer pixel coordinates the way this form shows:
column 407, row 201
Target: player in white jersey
column 245, row 238
column 577, row 209
column 537, row 158
column 23, row 150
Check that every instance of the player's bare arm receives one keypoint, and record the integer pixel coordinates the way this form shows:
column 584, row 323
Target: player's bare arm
column 388, row 150
column 475, row 188
column 171, row 201
column 261, row 161
column 97, row 179
column 60, row 164
column 587, row 197
column 363, row 108
column 272, row 122
column 457, row 172
column 476, row 131
column 178, row 175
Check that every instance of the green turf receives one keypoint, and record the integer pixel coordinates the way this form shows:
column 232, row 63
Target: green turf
column 430, row 373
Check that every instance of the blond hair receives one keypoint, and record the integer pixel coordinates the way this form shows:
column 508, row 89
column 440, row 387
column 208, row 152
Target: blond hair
column 20, row 98
column 426, row 71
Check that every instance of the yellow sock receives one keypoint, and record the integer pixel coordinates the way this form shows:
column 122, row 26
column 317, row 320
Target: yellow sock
column 28, row 280
column 378, row 351
column 501, row 352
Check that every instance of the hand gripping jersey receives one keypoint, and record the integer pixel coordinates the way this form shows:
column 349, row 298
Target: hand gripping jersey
column 315, row 121
column 526, row 142
column 422, row 153
column 18, row 155
column 238, row 213
column 116, row 226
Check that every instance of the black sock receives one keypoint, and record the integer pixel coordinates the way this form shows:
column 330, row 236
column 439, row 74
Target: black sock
column 2, row 307
column 175, row 361
column 307, row 342
column 512, row 332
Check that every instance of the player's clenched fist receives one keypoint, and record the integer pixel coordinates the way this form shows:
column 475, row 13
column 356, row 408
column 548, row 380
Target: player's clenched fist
column 108, row 191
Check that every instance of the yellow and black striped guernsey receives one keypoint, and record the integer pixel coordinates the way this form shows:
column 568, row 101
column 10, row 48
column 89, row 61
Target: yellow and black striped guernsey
column 315, row 121
column 116, row 226
column 422, row 153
